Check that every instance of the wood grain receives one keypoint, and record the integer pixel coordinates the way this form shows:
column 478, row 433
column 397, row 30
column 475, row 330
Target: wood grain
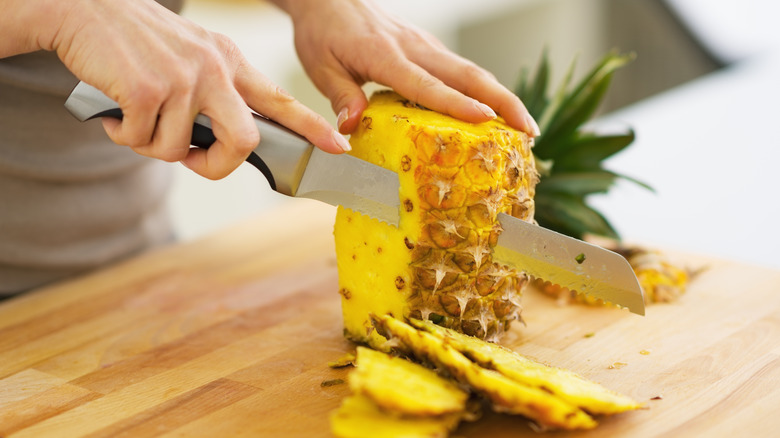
column 230, row 336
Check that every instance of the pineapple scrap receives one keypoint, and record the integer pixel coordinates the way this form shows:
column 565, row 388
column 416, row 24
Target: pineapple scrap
column 359, row 417
column 394, row 397
column 344, row 361
column 568, row 386
column 399, row 385
column 505, row 394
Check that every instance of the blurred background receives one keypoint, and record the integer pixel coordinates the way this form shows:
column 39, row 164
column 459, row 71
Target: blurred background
column 701, row 97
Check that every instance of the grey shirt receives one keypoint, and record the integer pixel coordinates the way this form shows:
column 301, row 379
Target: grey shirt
column 70, row 199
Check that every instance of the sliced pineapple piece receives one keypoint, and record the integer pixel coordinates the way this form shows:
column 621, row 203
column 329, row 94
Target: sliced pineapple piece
column 661, row 280
column 359, row 417
column 568, row 386
column 505, row 394
column 399, row 385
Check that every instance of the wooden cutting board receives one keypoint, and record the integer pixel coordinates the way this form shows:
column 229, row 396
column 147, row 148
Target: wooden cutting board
column 230, row 336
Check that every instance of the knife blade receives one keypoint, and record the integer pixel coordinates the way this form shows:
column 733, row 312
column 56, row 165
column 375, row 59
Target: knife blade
column 568, row 262
column 291, row 164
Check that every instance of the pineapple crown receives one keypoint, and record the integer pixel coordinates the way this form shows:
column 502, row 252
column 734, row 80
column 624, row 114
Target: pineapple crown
column 570, row 155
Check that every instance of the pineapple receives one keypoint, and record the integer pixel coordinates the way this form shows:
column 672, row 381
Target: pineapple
column 455, row 178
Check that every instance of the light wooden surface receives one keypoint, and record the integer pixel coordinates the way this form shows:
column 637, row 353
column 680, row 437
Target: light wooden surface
column 230, row 336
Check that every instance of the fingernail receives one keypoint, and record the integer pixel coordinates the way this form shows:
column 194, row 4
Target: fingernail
column 486, row 110
column 343, row 116
column 531, row 123
column 342, row 142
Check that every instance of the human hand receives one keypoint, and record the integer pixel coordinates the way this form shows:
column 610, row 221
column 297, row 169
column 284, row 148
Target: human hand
column 344, row 44
column 163, row 70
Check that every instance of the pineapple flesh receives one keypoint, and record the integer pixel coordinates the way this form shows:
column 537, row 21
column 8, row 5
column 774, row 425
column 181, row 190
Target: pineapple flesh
column 455, row 177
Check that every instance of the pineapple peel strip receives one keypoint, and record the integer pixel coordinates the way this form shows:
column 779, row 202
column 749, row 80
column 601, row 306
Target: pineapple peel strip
column 569, row 386
column 398, row 385
column 359, row 417
column 505, row 394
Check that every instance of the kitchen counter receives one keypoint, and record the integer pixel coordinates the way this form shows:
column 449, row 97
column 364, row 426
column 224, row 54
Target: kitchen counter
column 230, row 335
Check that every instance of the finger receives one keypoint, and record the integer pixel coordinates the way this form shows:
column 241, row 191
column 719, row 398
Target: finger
column 139, row 119
column 171, row 140
column 346, row 96
column 415, row 83
column 478, row 83
column 234, row 128
column 270, row 100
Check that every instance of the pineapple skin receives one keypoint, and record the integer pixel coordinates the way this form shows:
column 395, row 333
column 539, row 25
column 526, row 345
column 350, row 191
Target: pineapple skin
column 504, row 393
column 566, row 385
column 455, row 177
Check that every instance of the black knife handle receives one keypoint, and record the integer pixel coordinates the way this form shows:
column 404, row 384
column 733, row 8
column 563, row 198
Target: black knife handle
column 281, row 156
column 202, row 137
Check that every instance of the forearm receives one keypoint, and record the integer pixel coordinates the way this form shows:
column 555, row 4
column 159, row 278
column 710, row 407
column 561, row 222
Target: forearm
column 30, row 25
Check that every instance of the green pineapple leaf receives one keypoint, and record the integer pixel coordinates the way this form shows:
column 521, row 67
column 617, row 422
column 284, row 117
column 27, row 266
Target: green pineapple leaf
column 579, row 184
column 534, row 96
column 572, row 155
column 578, row 107
column 570, row 215
column 588, row 150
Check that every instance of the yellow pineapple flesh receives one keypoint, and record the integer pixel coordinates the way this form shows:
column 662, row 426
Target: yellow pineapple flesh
column 455, row 177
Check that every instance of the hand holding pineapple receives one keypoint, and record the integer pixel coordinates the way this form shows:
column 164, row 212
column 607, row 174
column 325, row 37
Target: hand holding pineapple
column 344, row 44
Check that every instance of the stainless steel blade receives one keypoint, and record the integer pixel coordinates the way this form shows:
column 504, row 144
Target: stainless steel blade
column 568, row 262
column 353, row 183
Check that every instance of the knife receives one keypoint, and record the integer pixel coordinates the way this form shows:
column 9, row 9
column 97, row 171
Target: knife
column 296, row 168
column 291, row 164
column 568, row 262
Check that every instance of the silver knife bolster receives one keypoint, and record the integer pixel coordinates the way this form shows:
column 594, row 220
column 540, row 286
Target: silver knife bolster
column 283, row 152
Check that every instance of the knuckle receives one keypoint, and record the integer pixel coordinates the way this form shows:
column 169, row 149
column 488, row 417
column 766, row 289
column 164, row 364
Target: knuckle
column 282, row 96
column 147, row 93
column 247, row 142
column 475, row 72
column 170, row 154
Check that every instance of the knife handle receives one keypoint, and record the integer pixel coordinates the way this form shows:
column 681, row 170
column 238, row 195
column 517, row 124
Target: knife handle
column 281, row 156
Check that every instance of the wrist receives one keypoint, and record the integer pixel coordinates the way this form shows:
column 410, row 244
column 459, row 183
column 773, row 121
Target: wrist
column 31, row 25
column 298, row 8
